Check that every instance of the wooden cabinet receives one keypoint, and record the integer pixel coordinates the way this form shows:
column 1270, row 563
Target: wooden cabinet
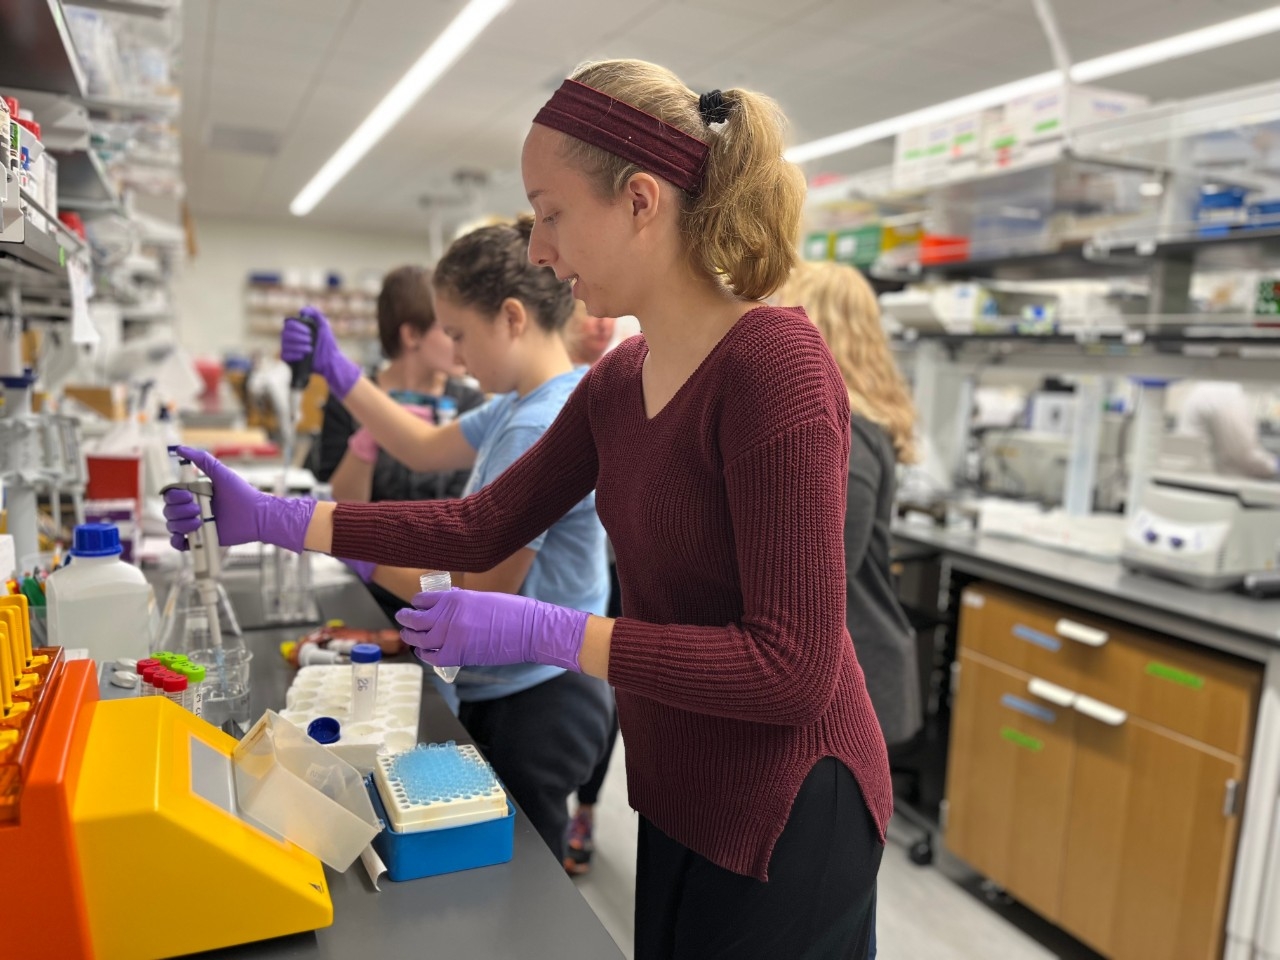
column 1093, row 771
column 1011, row 763
column 1149, row 847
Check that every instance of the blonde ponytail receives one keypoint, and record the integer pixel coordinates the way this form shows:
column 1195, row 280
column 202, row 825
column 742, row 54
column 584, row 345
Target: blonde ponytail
column 742, row 226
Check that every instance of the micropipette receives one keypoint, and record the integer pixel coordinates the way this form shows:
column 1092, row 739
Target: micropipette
column 206, row 560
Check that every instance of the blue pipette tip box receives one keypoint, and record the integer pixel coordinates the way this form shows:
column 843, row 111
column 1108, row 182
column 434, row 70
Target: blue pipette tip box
column 430, row 853
column 442, row 810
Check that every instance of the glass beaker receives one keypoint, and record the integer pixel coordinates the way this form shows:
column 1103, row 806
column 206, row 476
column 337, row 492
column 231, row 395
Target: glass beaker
column 189, row 613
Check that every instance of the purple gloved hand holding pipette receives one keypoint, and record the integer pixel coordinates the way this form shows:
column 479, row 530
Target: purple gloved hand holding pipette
column 242, row 513
column 297, row 341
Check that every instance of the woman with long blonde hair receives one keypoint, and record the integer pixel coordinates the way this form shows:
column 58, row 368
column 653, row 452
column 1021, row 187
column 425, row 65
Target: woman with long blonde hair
column 843, row 307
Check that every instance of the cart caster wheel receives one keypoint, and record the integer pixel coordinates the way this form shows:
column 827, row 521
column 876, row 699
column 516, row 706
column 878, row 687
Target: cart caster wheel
column 921, row 853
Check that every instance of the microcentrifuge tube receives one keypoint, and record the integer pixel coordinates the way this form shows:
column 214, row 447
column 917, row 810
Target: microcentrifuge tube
column 439, row 582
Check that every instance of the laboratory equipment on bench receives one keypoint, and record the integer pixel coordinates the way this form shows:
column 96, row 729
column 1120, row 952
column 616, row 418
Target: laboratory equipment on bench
column 335, row 640
column 439, row 581
column 98, row 602
column 325, row 690
column 194, row 614
column 1205, row 530
column 111, row 809
column 443, row 810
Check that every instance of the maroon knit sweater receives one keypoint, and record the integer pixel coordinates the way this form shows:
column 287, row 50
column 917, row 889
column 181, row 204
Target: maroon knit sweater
column 733, row 669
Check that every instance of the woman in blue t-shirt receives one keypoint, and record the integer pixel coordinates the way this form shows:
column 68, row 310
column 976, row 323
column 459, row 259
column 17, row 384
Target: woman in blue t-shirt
column 542, row 728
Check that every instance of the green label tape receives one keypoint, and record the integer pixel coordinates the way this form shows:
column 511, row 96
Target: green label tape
column 1044, row 125
column 1020, row 739
column 1174, row 675
column 62, row 256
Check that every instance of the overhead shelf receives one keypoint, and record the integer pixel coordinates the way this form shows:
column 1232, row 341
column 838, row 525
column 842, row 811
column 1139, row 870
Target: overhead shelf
column 133, row 109
column 83, row 183
column 36, row 51
column 1068, row 262
column 139, row 8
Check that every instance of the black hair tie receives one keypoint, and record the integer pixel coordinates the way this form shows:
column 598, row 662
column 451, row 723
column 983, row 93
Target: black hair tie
column 713, row 107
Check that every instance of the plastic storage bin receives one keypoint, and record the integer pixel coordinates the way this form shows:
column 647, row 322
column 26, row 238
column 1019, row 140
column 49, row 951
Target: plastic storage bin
column 292, row 785
column 429, row 853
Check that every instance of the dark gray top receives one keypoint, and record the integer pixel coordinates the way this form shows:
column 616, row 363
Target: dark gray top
column 392, row 480
column 881, row 633
column 526, row 909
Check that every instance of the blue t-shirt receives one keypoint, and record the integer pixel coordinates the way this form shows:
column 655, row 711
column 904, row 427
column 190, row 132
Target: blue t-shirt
column 571, row 568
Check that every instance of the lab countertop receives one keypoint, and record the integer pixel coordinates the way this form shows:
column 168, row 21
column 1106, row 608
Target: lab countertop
column 527, row 909
column 1223, row 620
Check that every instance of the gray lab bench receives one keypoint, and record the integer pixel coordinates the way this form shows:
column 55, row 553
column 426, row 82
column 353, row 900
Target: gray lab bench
column 527, row 909
column 1224, row 621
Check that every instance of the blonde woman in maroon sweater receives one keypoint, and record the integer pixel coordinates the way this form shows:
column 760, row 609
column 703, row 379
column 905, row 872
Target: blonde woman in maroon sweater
column 718, row 446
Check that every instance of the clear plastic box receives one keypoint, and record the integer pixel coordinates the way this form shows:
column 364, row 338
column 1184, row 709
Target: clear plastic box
column 292, row 785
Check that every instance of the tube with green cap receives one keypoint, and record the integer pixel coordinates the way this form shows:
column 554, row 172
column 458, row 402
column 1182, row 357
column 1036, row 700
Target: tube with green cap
column 195, row 685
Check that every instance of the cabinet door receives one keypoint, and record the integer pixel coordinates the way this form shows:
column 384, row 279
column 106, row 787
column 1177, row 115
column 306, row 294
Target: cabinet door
column 1008, row 782
column 1149, row 846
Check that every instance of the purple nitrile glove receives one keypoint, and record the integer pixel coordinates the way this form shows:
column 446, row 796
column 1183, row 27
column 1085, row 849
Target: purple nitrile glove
column 465, row 628
column 243, row 513
column 340, row 372
column 363, row 569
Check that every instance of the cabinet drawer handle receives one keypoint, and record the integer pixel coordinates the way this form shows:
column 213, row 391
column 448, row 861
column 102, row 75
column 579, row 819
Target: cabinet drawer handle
column 1102, row 712
column 1089, row 636
column 1051, row 692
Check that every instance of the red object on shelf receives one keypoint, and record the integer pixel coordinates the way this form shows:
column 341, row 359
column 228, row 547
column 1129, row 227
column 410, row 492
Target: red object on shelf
column 73, row 222
column 32, row 126
column 940, row 248
column 114, row 478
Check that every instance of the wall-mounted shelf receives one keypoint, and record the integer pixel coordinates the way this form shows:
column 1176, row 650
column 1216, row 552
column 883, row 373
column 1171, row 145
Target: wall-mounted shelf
column 138, row 8
column 36, row 51
column 134, row 109
column 83, row 184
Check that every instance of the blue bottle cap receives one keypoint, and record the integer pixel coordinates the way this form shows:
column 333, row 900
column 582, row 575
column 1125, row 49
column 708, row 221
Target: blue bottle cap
column 96, row 540
column 366, row 653
column 324, row 730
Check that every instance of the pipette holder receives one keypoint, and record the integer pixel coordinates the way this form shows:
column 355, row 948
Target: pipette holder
column 287, row 598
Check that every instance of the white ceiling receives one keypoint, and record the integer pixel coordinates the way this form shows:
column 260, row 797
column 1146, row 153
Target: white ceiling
column 307, row 71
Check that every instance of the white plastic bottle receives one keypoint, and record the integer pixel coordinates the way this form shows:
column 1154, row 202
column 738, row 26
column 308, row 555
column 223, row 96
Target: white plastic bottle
column 439, row 582
column 99, row 602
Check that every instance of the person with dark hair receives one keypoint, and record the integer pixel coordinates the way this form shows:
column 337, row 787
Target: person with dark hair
column 718, row 447
column 544, row 729
column 418, row 373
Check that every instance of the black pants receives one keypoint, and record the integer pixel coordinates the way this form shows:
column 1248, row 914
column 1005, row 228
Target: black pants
column 819, row 903
column 589, row 792
column 544, row 743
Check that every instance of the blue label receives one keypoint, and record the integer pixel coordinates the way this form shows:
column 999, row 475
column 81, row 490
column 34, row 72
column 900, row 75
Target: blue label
column 1052, row 644
column 1044, row 714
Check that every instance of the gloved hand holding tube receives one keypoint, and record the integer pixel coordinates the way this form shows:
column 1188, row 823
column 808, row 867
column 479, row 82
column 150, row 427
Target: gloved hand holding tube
column 242, row 513
column 311, row 336
column 470, row 628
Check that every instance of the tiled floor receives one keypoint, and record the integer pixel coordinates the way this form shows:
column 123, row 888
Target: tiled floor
column 936, row 912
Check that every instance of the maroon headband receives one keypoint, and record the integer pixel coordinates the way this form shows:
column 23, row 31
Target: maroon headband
column 586, row 114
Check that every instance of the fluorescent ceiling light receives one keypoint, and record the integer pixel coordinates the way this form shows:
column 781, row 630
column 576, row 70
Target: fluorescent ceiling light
column 1196, row 41
column 430, row 67
column 1184, row 44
